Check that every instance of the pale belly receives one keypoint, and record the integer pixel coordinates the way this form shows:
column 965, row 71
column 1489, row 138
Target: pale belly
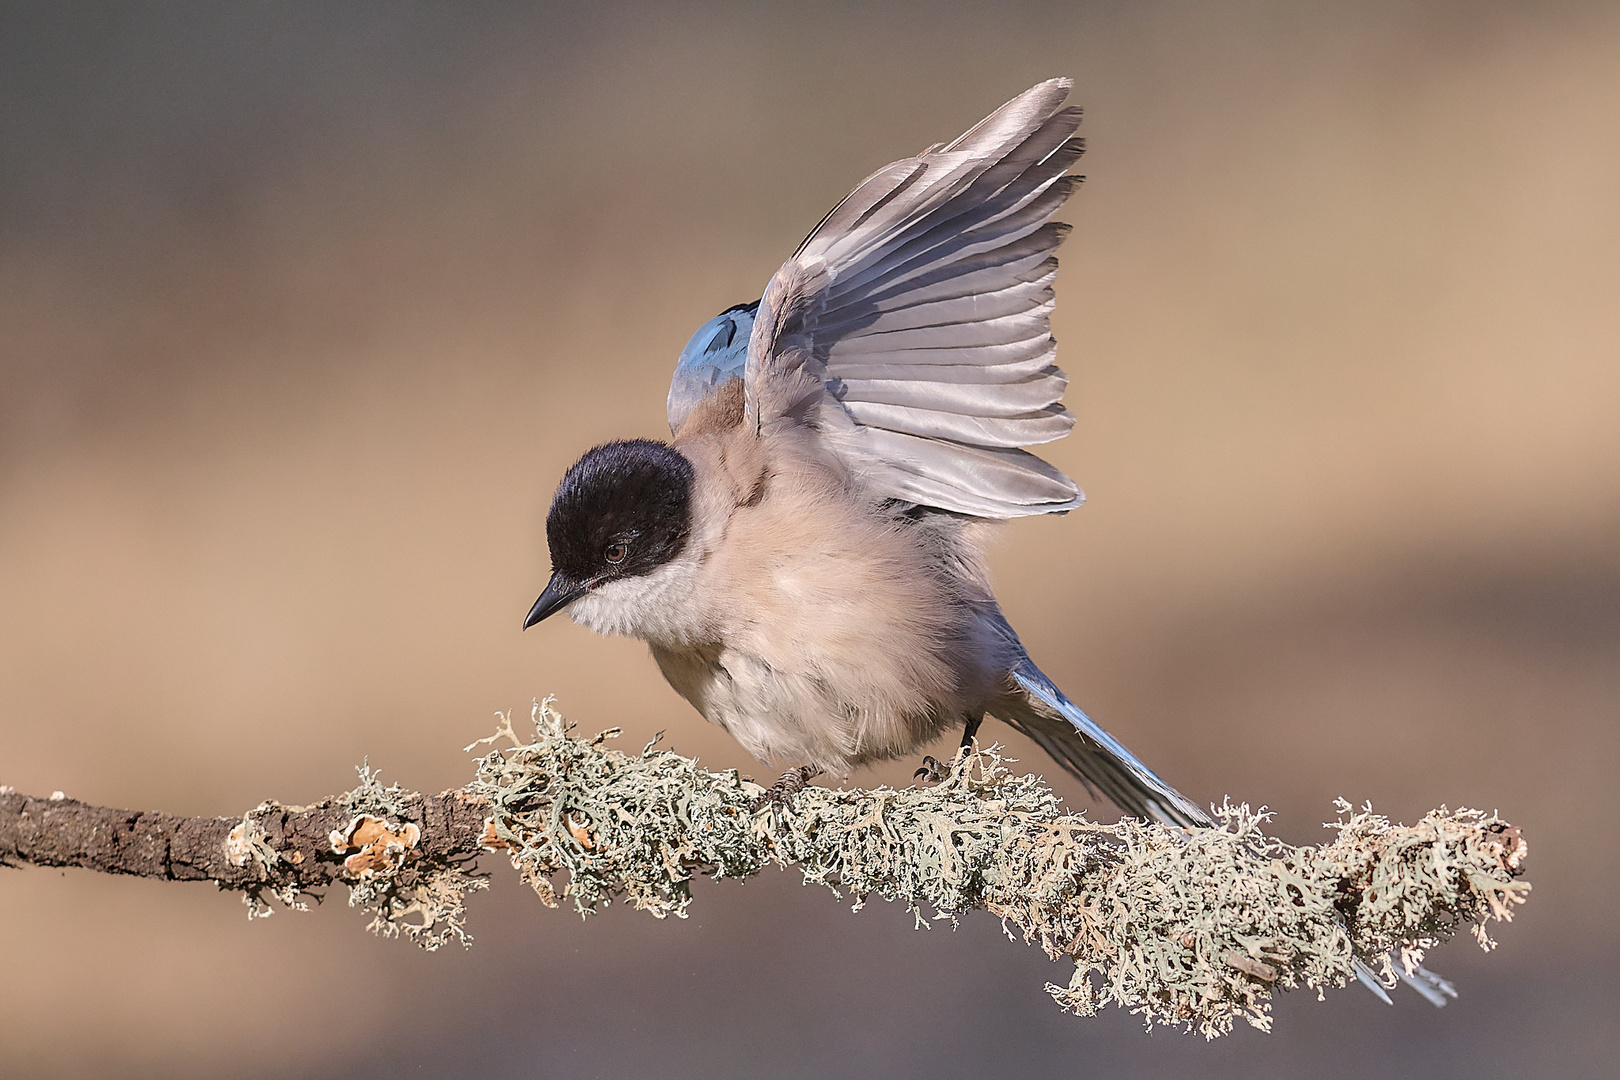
column 805, row 712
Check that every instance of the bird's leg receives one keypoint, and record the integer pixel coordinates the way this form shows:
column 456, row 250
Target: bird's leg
column 933, row 771
column 779, row 796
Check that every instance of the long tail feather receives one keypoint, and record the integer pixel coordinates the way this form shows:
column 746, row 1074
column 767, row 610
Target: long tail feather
column 1080, row 745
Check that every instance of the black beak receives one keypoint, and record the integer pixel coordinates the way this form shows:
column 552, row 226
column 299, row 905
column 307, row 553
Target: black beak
column 560, row 591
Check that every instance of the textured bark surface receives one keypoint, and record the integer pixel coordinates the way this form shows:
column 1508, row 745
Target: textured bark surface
column 66, row 832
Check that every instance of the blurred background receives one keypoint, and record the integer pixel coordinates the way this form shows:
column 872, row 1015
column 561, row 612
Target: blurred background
column 304, row 309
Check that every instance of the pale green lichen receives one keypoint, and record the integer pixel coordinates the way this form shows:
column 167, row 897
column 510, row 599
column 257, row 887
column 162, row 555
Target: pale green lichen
column 617, row 825
column 1192, row 929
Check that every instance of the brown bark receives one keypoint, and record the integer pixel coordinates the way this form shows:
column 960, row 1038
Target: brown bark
column 66, row 832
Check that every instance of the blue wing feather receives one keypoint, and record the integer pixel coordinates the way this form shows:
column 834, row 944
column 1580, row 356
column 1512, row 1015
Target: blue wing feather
column 717, row 352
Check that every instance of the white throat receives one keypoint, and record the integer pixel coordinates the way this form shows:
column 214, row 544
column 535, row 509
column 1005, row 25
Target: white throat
column 662, row 607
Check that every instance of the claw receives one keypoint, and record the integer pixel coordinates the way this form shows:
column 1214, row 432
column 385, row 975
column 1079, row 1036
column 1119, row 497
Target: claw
column 932, row 771
column 779, row 796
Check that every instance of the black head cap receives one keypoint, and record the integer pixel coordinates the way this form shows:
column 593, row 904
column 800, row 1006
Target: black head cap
column 623, row 510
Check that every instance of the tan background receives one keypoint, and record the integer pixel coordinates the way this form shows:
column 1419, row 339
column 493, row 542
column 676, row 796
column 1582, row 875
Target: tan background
column 304, row 310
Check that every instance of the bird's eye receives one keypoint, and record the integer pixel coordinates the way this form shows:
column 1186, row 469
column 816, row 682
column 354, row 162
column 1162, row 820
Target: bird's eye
column 616, row 552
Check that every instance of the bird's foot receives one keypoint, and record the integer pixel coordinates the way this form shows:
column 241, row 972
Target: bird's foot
column 779, row 796
column 934, row 771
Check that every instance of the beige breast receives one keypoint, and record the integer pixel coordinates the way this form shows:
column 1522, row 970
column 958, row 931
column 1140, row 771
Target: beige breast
column 832, row 637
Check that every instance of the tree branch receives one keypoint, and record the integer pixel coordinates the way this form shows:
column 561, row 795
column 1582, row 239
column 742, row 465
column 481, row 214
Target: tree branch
column 1194, row 929
column 66, row 832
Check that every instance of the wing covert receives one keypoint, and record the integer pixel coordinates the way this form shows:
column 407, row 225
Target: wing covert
column 717, row 352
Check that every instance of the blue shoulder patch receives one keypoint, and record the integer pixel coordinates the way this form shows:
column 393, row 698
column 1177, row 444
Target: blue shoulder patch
column 717, row 352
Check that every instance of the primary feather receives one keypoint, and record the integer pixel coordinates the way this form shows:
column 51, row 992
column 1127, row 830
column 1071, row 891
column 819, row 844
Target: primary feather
column 921, row 307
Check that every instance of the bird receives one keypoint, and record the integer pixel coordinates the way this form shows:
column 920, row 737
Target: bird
column 805, row 556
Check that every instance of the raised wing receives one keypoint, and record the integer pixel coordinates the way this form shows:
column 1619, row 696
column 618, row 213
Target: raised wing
column 915, row 319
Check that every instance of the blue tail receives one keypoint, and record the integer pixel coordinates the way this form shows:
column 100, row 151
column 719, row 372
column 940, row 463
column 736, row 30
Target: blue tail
column 1080, row 745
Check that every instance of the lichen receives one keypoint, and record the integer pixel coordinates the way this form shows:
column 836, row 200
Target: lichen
column 1194, row 929
column 426, row 905
column 617, row 826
